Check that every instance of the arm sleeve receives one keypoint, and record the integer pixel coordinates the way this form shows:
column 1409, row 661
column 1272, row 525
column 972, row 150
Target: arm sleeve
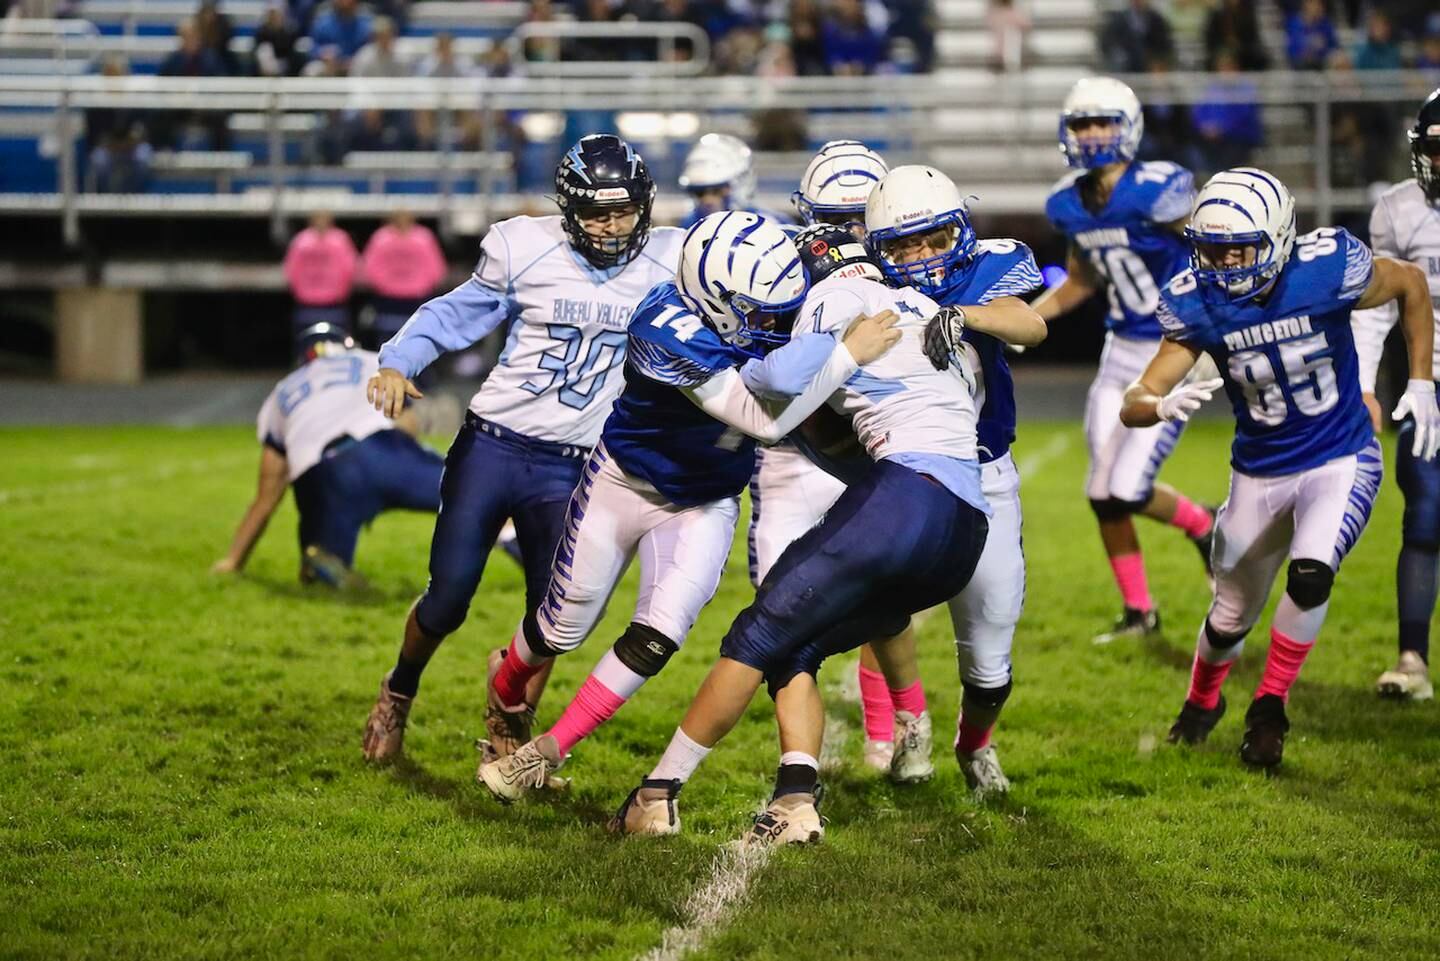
column 449, row 322
column 787, row 371
column 1372, row 326
column 725, row 398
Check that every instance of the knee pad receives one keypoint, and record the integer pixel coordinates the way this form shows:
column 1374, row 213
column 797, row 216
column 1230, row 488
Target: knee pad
column 1308, row 582
column 1221, row 641
column 644, row 650
column 985, row 697
column 1113, row 508
column 530, row 630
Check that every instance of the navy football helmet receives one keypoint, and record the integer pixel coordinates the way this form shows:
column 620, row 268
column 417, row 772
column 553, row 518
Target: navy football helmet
column 320, row 339
column 1425, row 146
column 832, row 250
column 601, row 171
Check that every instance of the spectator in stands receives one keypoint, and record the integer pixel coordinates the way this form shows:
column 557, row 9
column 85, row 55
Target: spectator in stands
column 1169, row 127
column 1188, row 20
column 444, row 62
column 1379, row 50
column 192, row 58
column 1129, row 38
column 197, row 128
column 378, row 58
column 852, row 47
column 215, row 33
column 276, row 39
column 541, row 49
column 596, row 48
column 1362, row 135
column 403, row 266
column 915, row 21
column 1232, row 26
column 1009, row 28
column 1429, row 56
column 397, row 10
column 1309, row 36
column 805, row 43
column 303, row 13
column 344, row 25
column 673, row 11
column 738, row 52
column 320, row 269
column 1227, row 118
column 116, row 136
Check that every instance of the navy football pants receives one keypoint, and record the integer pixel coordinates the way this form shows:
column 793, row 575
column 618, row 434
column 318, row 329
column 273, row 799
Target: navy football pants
column 344, row 492
column 1420, row 483
column 492, row 474
column 894, row 544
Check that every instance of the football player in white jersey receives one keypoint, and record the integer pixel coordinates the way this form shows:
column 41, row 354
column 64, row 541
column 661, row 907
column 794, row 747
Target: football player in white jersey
column 1124, row 220
column 1406, row 225
column 346, row 462
column 565, row 286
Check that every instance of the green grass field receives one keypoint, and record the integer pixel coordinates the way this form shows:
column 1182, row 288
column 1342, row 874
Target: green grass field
column 181, row 774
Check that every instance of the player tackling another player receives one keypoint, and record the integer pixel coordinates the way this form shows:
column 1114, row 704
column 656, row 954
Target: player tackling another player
column 1273, row 311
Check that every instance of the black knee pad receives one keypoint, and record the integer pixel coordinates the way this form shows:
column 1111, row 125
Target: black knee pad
column 1308, row 582
column 644, row 650
column 1113, row 508
column 530, row 630
column 1219, row 641
column 988, row 697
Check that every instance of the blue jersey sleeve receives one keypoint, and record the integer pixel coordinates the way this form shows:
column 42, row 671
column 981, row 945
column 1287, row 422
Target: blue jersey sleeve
column 1009, row 270
column 1173, row 196
column 1359, row 267
column 1176, row 311
column 670, row 345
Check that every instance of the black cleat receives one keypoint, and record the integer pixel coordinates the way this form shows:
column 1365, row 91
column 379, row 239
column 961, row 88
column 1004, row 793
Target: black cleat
column 1195, row 723
column 1133, row 623
column 1265, row 730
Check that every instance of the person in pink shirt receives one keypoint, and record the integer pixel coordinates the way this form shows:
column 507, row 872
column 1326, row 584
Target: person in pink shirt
column 320, row 269
column 402, row 265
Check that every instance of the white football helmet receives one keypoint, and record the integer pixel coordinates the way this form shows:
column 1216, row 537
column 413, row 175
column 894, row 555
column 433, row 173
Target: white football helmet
column 736, row 268
column 914, row 199
column 1248, row 208
column 836, row 184
column 720, row 160
column 1101, row 98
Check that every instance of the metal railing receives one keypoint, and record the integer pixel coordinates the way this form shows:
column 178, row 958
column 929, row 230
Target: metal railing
column 996, row 137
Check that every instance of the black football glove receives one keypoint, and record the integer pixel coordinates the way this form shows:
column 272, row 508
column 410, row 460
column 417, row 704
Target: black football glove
column 942, row 336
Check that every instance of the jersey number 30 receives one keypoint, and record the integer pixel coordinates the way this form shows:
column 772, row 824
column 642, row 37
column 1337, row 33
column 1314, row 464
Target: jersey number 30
column 560, row 362
column 1309, row 380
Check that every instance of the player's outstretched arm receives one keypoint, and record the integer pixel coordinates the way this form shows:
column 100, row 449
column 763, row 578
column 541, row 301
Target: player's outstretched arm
column 387, row 391
column 1405, row 283
column 1008, row 319
column 452, row 321
column 1079, row 285
column 269, row 491
column 1160, row 395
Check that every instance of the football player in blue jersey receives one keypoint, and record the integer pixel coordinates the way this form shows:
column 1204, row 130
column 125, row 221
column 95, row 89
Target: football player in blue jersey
column 564, row 285
column 1124, row 221
column 674, row 455
column 1273, row 312
column 718, row 174
column 906, row 533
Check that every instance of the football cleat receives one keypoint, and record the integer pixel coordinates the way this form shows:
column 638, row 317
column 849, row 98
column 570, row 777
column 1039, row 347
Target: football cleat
column 1408, row 680
column 983, row 773
column 385, row 727
column 789, row 819
column 1133, row 623
column 507, row 727
column 878, row 754
column 322, row 566
column 911, row 763
column 1265, row 728
column 650, row 809
column 1195, row 723
column 528, row 769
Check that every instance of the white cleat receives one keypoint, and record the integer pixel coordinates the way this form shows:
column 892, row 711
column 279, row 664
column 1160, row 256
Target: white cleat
column 1408, row 680
column 790, row 819
column 878, row 754
column 650, row 809
column 983, row 774
column 510, row 777
column 913, row 742
column 385, row 727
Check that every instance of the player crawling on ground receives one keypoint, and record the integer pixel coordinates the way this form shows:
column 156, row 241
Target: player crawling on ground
column 346, row 462
column 1124, row 219
column 674, row 455
column 1273, row 312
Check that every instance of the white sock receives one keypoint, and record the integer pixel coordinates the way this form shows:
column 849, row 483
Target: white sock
column 799, row 757
column 680, row 759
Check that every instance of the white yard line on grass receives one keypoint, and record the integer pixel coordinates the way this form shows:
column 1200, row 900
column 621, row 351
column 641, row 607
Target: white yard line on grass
column 1033, row 462
column 95, row 485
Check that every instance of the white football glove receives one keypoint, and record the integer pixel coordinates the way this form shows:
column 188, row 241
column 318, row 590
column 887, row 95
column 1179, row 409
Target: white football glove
column 1186, row 399
column 1418, row 402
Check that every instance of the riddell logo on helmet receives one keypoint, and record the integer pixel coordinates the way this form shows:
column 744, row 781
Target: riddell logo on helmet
column 918, row 214
column 612, row 193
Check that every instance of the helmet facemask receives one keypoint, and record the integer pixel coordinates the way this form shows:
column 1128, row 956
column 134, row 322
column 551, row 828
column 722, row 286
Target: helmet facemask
column 933, row 274
column 1090, row 152
column 1425, row 160
column 1233, row 268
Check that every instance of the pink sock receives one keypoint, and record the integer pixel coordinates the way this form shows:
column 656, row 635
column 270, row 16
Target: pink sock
column 971, row 737
column 875, row 704
column 910, row 699
column 1205, row 681
column 592, row 706
column 1191, row 518
column 510, row 680
column 1282, row 665
column 1130, row 576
